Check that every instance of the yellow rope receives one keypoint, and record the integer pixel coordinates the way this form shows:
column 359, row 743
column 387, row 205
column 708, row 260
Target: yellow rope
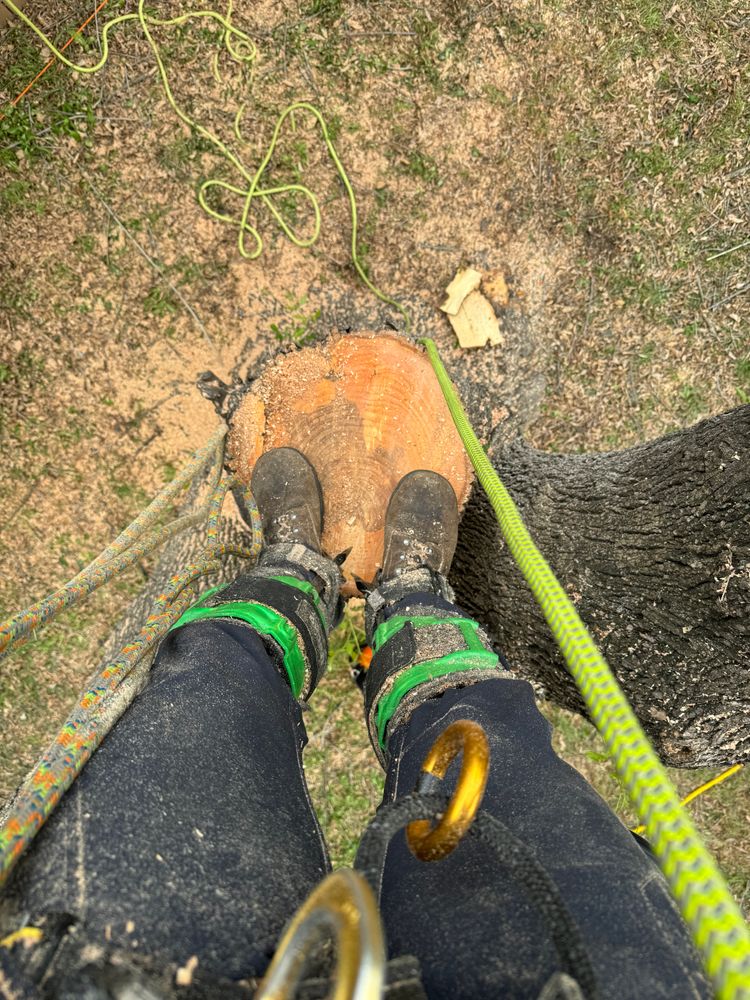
column 717, row 780
column 27, row 935
column 242, row 49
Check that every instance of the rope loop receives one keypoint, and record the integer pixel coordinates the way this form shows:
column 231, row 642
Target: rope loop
column 432, row 843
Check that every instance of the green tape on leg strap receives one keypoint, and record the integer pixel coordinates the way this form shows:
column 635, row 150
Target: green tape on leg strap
column 267, row 622
column 457, row 663
column 209, row 593
column 467, row 626
column 306, row 588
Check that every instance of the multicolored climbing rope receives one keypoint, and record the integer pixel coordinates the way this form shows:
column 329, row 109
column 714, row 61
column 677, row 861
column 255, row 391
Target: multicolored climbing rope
column 131, row 544
column 116, row 682
column 707, row 905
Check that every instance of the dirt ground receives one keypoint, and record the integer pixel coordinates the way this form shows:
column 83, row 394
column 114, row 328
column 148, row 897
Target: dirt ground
column 597, row 153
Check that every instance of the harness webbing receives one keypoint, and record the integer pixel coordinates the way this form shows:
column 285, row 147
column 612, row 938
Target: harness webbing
column 707, row 905
column 267, row 622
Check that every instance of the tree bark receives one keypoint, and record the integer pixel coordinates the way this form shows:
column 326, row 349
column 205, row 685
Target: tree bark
column 653, row 546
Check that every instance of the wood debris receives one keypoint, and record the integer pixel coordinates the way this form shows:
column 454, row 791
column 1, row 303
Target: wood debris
column 471, row 311
column 466, row 281
column 475, row 323
column 184, row 975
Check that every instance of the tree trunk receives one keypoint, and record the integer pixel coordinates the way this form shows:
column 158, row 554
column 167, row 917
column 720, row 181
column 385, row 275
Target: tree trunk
column 365, row 410
column 653, row 546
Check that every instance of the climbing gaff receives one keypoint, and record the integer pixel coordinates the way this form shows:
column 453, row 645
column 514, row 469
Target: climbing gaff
column 343, row 908
column 433, row 844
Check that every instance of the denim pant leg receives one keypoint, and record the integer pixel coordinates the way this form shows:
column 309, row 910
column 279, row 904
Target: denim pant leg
column 474, row 930
column 190, row 830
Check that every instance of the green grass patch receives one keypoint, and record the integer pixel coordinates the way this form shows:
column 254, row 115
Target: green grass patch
column 344, row 777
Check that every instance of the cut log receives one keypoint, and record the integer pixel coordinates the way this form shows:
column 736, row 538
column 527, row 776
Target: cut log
column 365, row 410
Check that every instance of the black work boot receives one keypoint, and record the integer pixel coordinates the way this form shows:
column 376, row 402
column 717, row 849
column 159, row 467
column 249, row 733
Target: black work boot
column 287, row 491
column 422, row 643
column 421, row 525
column 291, row 597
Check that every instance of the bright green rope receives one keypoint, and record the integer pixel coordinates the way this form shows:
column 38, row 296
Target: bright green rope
column 715, row 920
column 242, row 49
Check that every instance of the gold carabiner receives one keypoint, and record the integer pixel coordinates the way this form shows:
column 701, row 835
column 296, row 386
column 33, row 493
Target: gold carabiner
column 344, row 906
column 430, row 844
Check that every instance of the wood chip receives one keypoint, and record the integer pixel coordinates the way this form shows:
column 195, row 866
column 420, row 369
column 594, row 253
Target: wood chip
column 475, row 322
column 184, row 975
column 495, row 287
column 466, row 281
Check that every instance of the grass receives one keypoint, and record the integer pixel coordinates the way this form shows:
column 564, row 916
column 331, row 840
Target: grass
column 422, row 166
column 344, row 777
column 62, row 108
column 161, row 301
column 299, row 325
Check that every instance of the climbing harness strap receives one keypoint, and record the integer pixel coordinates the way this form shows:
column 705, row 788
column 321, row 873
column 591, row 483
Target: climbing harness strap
column 714, row 918
column 265, row 620
column 268, row 622
column 419, row 653
column 467, row 627
column 451, row 663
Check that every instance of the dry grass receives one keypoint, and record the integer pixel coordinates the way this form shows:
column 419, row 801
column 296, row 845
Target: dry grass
column 598, row 152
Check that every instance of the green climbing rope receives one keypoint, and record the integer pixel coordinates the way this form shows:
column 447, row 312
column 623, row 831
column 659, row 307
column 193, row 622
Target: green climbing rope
column 714, row 919
column 243, row 51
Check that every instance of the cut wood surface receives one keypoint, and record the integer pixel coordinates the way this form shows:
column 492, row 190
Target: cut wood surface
column 365, row 410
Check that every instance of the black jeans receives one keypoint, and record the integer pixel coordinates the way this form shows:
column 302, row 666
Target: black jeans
column 190, row 832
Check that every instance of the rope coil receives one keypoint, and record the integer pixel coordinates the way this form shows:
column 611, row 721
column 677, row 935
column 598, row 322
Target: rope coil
column 242, row 49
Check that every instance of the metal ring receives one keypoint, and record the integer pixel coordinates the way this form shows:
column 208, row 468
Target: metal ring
column 342, row 907
column 464, row 737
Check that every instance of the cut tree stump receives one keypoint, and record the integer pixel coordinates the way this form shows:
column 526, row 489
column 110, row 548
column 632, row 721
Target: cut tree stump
column 364, row 409
column 652, row 543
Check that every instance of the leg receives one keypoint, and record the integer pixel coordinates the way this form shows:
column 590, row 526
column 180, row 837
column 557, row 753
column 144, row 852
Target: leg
column 190, row 832
column 465, row 918
column 473, row 929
